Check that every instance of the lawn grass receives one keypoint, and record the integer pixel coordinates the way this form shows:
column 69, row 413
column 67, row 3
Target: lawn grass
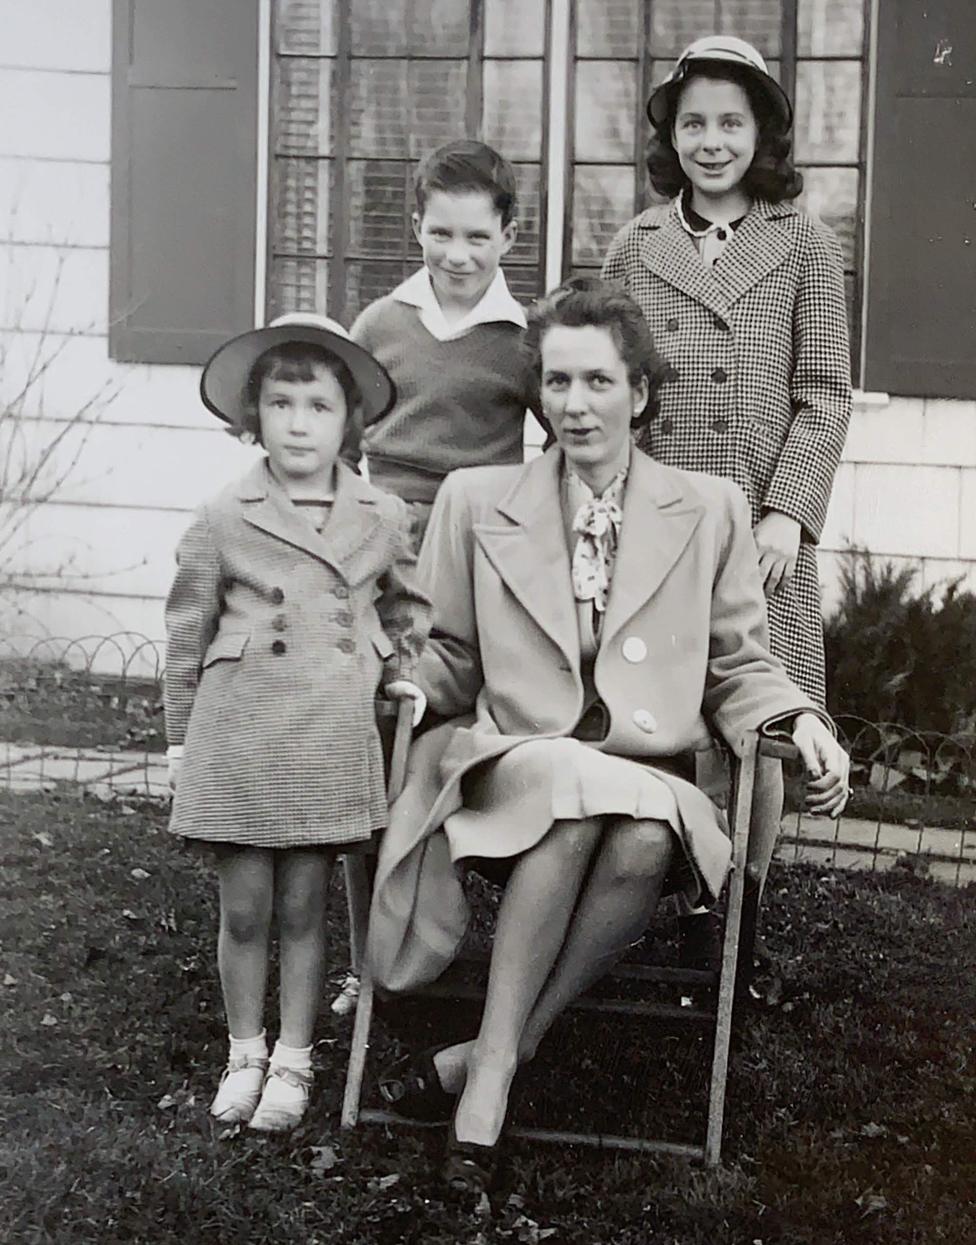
column 852, row 1106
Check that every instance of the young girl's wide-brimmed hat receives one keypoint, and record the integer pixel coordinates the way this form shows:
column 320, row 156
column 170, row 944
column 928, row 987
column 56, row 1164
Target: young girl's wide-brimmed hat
column 723, row 50
column 225, row 376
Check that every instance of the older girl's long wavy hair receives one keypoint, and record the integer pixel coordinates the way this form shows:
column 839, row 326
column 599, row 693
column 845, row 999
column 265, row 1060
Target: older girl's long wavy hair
column 771, row 176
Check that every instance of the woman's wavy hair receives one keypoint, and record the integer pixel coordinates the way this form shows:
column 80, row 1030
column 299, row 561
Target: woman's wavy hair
column 771, row 175
column 583, row 302
column 298, row 362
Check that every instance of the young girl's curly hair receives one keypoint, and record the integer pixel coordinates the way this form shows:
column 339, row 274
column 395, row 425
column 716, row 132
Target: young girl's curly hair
column 583, row 302
column 771, row 176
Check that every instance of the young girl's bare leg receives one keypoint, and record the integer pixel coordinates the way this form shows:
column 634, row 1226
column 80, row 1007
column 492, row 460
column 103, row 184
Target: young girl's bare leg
column 246, row 877
column 301, row 884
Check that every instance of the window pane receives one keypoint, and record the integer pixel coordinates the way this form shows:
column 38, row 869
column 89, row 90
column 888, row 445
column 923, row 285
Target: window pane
column 298, row 285
column 302, row 94
column 606, row 105
column 513, row 108
column 379, row 207
column 675, row 23
column 306, row 27
column 378, row 111
column 603, row 200
column 527, row 243
column 608, row 28
column 301, row 206
column 830, row 27
column 828, row 111
column 439, row 28
column 437, row 103
column 515, row 27
column 378, row 27
column 831, row 195
column 758, row 21
column 368, row 280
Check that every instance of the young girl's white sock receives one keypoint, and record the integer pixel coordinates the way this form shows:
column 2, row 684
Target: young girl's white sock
column 243, row 1079
column 286, row 1091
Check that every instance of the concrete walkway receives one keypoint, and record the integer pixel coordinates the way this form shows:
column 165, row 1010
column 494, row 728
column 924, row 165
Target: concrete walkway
column 851, row 842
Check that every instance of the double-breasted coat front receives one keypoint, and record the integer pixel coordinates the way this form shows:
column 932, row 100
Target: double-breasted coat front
column 683, row 651
column 278, row 637
column 758, row 384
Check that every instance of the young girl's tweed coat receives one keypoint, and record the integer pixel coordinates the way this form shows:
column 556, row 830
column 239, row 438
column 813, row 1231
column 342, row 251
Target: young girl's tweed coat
column 758, row 383
column 278, row 639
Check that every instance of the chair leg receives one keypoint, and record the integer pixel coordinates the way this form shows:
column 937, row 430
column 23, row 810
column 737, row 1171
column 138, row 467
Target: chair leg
column 357, row 902
column 360, row 1045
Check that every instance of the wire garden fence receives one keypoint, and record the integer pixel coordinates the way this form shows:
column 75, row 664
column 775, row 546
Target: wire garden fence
column 89, row 712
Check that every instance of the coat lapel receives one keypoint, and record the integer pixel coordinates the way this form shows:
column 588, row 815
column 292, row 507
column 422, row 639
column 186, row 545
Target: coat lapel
column 531, row 556
column 351, row 523
column 757, row 247
column 657, row 525
column 669, row 252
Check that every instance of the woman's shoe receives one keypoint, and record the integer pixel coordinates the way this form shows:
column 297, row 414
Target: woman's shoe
column 240, row 1088
column 413, row 1089
column 284, row 1100
column 470, row 1168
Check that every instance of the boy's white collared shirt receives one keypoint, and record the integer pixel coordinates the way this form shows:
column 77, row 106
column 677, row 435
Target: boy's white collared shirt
column 496, row 304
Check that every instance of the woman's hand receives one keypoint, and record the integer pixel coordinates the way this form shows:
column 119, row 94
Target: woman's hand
column 174, row 763
column 826, row 762
column 778, row 542
column 403, row 689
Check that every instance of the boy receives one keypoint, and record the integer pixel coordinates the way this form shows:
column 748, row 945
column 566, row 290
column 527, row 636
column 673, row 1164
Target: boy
column 449, row 335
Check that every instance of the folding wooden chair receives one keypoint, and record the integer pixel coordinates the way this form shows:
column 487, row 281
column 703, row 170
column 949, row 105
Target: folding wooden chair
column 739, row 937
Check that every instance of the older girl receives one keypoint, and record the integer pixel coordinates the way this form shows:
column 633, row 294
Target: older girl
column 745, row 297
column 293, row 603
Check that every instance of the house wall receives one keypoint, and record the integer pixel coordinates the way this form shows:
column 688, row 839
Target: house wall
column 906, row 488
column 153, row 453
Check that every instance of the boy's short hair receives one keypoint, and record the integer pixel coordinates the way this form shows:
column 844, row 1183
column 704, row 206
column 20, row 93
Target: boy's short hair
column 465, row 167
column 297, row 362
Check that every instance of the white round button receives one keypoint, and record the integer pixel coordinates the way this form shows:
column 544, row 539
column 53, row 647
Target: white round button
column 634, row 649
column 645, row 720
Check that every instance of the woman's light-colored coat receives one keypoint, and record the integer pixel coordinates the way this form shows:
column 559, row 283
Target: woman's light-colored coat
column 277, row 639
column 758, row 386
column 683, row 652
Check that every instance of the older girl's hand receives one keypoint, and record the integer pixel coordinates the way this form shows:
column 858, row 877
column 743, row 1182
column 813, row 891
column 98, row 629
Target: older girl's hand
column 778, row 542
column 403, row 689
column 174, row 763
column 827, row 763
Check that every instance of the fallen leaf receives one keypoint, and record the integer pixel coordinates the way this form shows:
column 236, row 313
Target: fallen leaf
column 873, row 1130
column 44, row 839
column 129, row 914
column 166, row 1102
column 140, row 875
column 871, row 1203
column 229, row 1133
column 324, row 1158
column 387, row 1182
column 47, row 1020
column 8, row 980
column 483, row 1209
column 66, row 997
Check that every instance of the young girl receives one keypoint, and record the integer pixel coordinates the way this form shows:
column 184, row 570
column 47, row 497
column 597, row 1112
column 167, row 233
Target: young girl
column 293, row 603
column 744, row 295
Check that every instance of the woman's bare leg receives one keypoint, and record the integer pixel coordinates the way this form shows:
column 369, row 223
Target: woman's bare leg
column 615, row 907
column 535, row 913
column 246, row 878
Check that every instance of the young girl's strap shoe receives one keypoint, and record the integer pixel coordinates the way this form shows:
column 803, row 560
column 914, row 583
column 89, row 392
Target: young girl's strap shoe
column 240, row 1088
column 284, row 1100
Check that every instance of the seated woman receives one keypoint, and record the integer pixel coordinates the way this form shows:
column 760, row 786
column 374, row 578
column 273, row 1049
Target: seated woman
column 596, row 616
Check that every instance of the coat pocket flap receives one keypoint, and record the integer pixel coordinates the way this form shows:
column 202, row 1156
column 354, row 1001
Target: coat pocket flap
column 383, row 644
column 228, row 646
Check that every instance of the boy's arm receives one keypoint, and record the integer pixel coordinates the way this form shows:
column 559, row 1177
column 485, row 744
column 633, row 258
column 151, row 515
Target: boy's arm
column 403, row 608
column 192, row 611
column 363, row 334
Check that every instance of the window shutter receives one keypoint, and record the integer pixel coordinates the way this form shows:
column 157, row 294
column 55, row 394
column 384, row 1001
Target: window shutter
column 184, row 167
column 922, row 274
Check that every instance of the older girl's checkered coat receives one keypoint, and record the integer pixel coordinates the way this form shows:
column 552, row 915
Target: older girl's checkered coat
column 278, row 637
column 758, row 384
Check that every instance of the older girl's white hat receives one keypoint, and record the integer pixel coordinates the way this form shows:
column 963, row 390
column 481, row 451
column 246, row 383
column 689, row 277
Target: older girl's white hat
column 724, row 49
column 225, row 374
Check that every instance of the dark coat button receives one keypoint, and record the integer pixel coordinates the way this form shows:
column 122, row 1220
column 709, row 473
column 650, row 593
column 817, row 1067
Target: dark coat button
column 720, row 376
column 720, row 324
column 722, row 235
column 343, row 618
column 667, row 427
column 340, row 591
column 279, row 622
column 278, row 647
column 720, row 425
column 346, row 645
column 671, row 325
column 277, row 596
